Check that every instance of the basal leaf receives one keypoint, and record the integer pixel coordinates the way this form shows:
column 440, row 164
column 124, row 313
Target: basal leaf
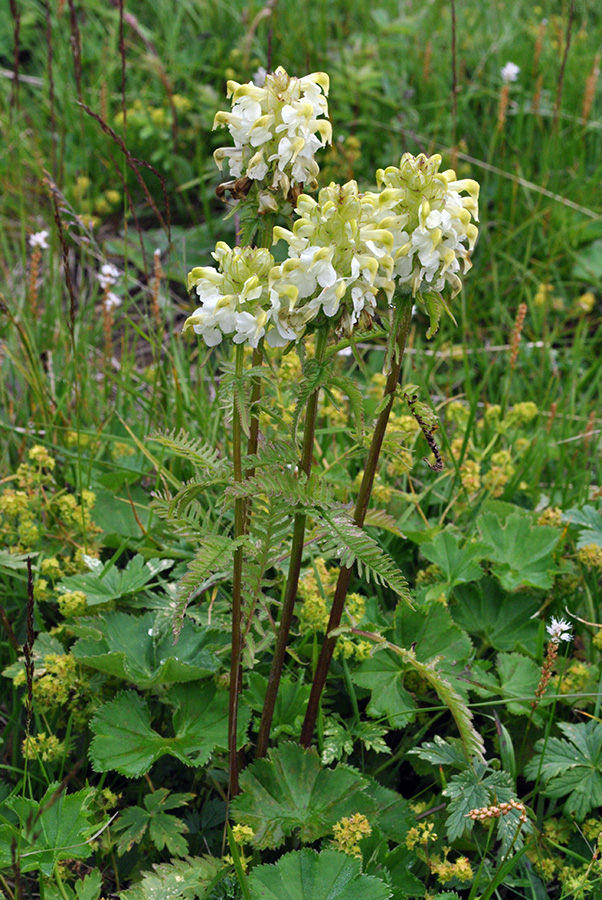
column 442, row 752
column 114, row 584
column 125, row 741
column 590, row 520
column 127, row 647
column 458, row 564
column 504, row 620
column 308, row 875
column 55, row 828
column 291, row 790
column 521, row 552
column 182, row 879
column 383, row 674
column 571, row 767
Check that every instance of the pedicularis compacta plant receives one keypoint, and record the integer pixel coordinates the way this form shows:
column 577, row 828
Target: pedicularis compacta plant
column 350, row 257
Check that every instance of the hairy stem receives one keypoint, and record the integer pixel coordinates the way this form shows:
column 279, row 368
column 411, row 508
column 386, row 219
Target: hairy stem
column 292, row 582
column 239, row 527
column 361, row 506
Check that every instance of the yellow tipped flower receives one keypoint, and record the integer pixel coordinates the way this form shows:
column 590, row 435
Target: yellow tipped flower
column 234, row 298
column 276, row 129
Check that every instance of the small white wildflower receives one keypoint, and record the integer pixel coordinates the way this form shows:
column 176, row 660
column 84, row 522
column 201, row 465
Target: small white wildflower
column 510, row 72
column 39, row 240
column 259, row 76
column 559, row 630
column 111, row 301
column 108, row 275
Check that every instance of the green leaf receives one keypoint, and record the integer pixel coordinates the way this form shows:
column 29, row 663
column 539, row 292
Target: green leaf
column 309, row 875
column 291, row 701
column 521, row 552
column 55, row 828
column 572, row 767
column 131, row 827
column 474, row 788
column 440, row 646
column 504, row 620
column 383, row 674
column 356, row 401
column 127, row 647
column 89, row 888
column 291, row 790
column 515, row 679
column 214, row 554
column 195, row 450
column 109, row 583
column 442, row 752
column 458, row 565
column 164, row 830
column 125, row 742
column 350, row 544
column 591, row 521
column 179, row 880
column 13, row 562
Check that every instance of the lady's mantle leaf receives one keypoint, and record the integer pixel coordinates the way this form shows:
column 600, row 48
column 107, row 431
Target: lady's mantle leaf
column 505, row 620
column 572, row 767
column 180, row 880
column 520, row 551
column 55, row 828
column 126, row 646
column 109, row 583
column 436, row 638
column 125, row 742
column 457, row 565
column 291, row 789
column 308, row 875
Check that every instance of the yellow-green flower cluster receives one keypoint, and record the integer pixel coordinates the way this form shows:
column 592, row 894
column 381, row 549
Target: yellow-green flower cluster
column 590, row 555
column 349, row 831
column 446, row 870
column 314, row 612
column 277, row 128
column 46, row 748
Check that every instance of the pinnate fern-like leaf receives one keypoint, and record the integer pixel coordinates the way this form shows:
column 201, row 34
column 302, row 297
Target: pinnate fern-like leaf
column 345, row 540
column 356, row 401
column 182, row 879
column 315, row 376
column 295, row 489
column 214, row 555
column 194, row 450
column 470, row 737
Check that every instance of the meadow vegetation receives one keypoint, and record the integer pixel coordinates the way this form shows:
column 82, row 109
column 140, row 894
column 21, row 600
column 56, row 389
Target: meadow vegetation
column 166, row 504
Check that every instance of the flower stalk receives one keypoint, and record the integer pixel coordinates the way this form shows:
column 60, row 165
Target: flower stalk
column 292, row 583
column 239, row 527
column 361, row 506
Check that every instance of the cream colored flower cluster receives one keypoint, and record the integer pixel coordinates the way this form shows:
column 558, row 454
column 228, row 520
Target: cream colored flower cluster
column 414, row 234
column 276, row 129
column 435, row 232
column 234, row 297
column 338, row 260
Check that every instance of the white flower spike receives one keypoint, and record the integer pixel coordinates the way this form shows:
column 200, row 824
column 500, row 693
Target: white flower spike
column 510, row 72
column 39, row 239
column 559, row 630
